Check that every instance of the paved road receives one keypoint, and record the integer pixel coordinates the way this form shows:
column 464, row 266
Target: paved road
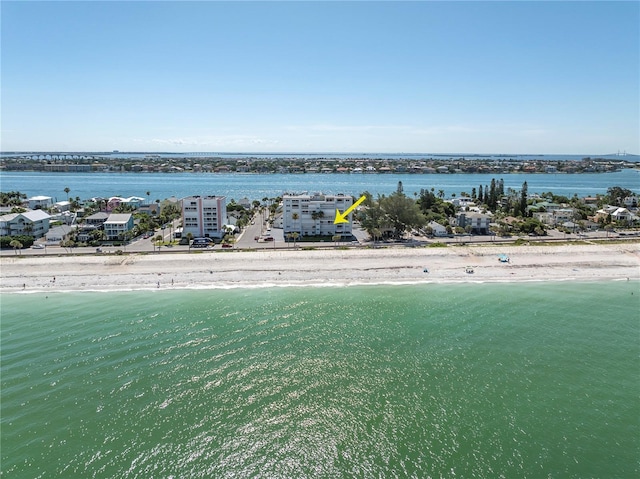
column 246, row 240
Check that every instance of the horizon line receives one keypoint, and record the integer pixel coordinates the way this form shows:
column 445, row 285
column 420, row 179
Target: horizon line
column 2, row 152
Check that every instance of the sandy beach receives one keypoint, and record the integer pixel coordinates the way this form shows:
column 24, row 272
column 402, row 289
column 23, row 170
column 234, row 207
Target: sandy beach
column 320, row 267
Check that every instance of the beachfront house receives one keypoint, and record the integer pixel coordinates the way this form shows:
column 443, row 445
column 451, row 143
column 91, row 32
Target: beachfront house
column 134, row 202
column 545, row 217
column 462, row 202
column 544, row 206
column 58, row 234
column 117, row 225
column 204, row 216
column 30, row 223
column 437, row 229
column 623, row 215
column 97, row 219
column 604, row 213
column 40, row 202
column 314, row 215
column 62, row 206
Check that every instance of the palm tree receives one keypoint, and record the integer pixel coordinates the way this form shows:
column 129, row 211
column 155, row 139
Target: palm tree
column 148, row 197
column 295, row 236
column 16, row 245
column 67, row 244
column 157, row 241
column 317, row 215
column 67, row 190
column 295, row 217
column 440, row 193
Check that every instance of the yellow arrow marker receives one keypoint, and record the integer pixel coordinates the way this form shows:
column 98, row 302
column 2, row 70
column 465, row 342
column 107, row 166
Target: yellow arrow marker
column 342, row 217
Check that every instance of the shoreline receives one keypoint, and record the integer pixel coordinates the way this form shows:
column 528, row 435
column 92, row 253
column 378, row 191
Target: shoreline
column 320, row 268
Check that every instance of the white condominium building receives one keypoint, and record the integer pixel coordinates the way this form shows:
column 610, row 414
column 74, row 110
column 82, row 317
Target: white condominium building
column 313, row 215
column 204, row 216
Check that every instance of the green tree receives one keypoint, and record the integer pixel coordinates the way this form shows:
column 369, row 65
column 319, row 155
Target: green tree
column 617, row 194
column 493, row 196
column 523, row 199
column 403, row 212
column 373, row 218
column 12, row 198
column 67, row 190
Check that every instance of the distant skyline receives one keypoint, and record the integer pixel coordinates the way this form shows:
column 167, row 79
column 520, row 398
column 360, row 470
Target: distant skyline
column 413, row 77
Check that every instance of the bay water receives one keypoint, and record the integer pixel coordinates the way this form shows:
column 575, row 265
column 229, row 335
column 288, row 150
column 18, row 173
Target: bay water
column 426, row 381
column 258, row 186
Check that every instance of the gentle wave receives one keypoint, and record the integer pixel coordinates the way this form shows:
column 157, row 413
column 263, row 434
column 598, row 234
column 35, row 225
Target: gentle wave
column 370, row 381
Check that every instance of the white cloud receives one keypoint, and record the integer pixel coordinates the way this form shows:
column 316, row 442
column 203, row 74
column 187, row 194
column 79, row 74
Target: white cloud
column 343, row 128
column 230, row 142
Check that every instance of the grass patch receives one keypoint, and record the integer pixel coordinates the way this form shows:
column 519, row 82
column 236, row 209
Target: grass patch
column 438, row 244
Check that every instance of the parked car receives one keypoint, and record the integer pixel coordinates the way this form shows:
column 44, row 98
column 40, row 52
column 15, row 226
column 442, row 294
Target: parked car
column 227, row 245
column 38, row 246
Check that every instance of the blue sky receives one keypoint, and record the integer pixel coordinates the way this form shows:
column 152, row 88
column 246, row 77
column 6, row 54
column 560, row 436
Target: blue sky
column 438, row 77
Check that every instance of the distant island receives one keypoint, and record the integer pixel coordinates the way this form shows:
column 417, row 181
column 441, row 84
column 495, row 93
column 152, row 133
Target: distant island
column 292, row 163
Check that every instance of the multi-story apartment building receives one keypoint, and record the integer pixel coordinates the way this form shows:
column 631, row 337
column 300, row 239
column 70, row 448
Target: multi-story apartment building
column 313, row 215
column 204, row 216
column 477, row 222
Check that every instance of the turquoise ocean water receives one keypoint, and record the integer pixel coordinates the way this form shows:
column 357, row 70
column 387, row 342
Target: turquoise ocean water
column 429, row 381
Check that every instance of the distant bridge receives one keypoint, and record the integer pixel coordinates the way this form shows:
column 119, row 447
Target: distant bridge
column 54, row 156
